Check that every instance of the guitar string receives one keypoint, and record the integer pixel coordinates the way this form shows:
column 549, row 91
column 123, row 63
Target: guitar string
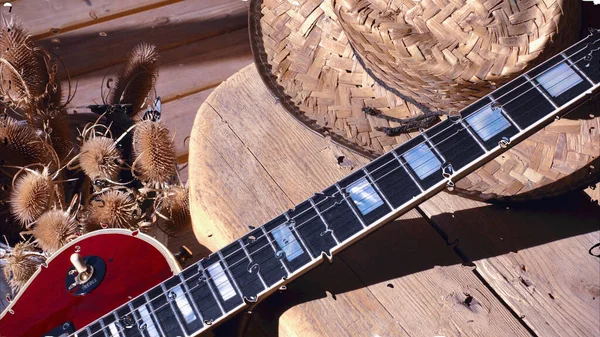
column 534, row 86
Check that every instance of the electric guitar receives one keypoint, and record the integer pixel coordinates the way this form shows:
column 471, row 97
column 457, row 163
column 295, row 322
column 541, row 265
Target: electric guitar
column 153, row 297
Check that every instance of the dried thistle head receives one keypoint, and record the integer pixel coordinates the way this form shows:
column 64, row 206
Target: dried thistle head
column 21, row 144
column 114, row 209
column 174, row 207
column 20, row 265
column 24, row 68
column 137, row 77
column 154, row 153
column 100, row 159
column 54, row 229
column 32, row 195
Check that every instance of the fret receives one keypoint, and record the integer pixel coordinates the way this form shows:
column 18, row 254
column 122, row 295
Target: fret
column 522, row 102
column 258, row 273
column 576, row 67
column 585, row 58
column 454, row 143
column 102, row 328
column 182, row 304
column 489, row 123
column 128, row 321
column 283, row 231
column 466, row 127
column 225, row 288
column 170, row 297
column 287, row 271
column 328, row 229
column 541, row 91
column 257, row 243
column 202, row 293
column 311, row 228
column 374, row 184
column 340, row 215
column 339, row 189
column 88, row 331
column 244, row 271
column 408, row 173
column 195, row 308
column 108, row 324
column 163, row 314
column 228, row 273
column 150, row 322
column 96, row 329
column 421, row 161
column 431, row 146
column 394, row 180
column 504, row 114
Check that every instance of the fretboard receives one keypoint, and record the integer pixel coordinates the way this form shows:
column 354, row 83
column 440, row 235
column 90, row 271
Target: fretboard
column 274, row 254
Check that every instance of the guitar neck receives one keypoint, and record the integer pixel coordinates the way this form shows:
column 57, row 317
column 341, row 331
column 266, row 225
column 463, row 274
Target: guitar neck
column 272, row 255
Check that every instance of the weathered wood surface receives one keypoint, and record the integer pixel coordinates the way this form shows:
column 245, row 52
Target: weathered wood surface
column 250, row 161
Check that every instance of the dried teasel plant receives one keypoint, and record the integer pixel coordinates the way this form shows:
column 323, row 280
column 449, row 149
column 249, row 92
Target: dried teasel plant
column 21, row 144
column 154, row 152
column 33, row 193
column 113, row 209
column 21, row 263
column 173, row 206
column 26, row 71
column 56, row 227
column 137, row 78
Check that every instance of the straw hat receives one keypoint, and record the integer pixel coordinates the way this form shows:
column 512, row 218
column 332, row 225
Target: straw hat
column 328, row 60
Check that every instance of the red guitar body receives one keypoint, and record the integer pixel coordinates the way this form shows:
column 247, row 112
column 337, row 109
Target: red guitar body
column 134, row 263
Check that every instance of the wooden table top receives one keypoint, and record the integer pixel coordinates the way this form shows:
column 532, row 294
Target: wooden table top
column 450, row 267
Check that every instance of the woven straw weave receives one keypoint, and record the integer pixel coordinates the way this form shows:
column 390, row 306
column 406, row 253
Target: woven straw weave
column 421, row 55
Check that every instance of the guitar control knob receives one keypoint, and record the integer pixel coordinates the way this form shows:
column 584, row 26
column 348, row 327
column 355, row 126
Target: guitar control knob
column 84, row 272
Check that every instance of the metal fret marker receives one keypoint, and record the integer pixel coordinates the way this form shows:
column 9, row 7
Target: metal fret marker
column 541, row 91
column 407, row 171
column 350, row 205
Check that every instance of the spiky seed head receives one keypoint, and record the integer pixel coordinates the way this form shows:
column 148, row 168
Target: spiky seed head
column 54, row 229
column 177, row 208
column 21, row 264
column 137, row 77
column 21, row 144
column 114, row 209
column 154, row 152
column 31, row 196
column 100, row 158
column 24, row 67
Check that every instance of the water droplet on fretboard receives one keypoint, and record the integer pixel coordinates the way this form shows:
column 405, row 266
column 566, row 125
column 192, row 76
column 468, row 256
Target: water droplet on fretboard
column 127, row 321
column 251, row 239
column 143, row 326
column 172, row 295
column 202, row 279
column 280, row 254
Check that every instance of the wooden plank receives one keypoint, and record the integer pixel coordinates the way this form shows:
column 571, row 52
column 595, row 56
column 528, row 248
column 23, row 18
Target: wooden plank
column 250, row 160
column 42, row 17
column 105, row 44
column 184, row 70
column 534, row 255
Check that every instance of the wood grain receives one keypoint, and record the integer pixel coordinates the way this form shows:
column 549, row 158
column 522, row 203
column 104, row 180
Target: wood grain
column 105, row 44
column 42, row 17
column 534, row 255
column 250, row 161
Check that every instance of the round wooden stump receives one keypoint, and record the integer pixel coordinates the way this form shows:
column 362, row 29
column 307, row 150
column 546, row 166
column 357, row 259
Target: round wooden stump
column 250, row 161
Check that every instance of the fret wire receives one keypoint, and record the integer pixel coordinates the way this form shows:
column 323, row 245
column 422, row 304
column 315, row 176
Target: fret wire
column 293, row 229
column 577, row 68
column 251, row 260
column 228, row 272
column 351, row 207
column 372, row 183
column 87, row 329
column 432, row 145
column 210, row 287
column 117, row 320
column 324, row 222
column 135, row 317
column 173, row 305
column 102, row 327
column 191, row 299
column 153, row 315
column 466, row 127
column 407, row 171
column 541, row 91
column 274, row 249
column 507, row 116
